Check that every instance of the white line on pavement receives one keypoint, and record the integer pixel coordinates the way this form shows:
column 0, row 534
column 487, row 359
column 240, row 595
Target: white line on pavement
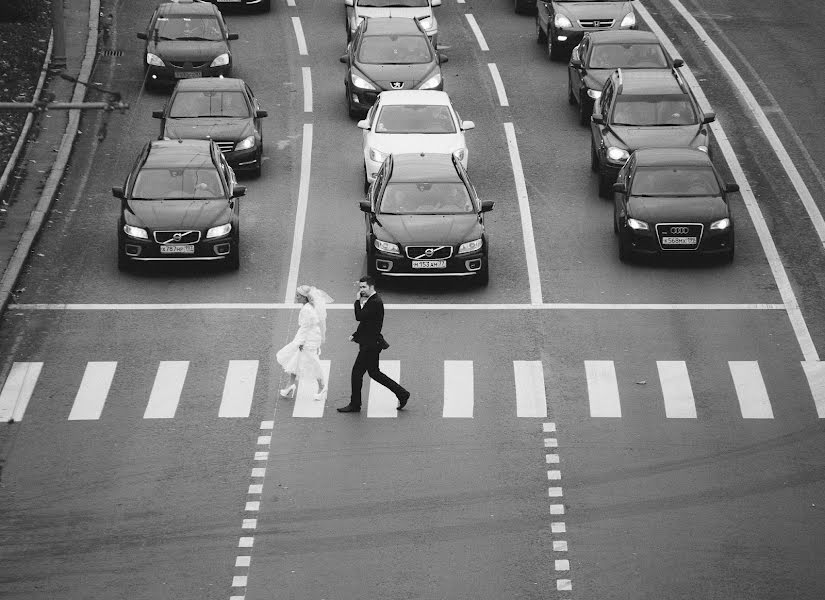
column 381, row 401
column 300, row 214
column 783, row 284
column 602, row 389
column 307, row 77
column 94, row 387
column 526, row 219
column 750, row 390
column 458, row 389
column 305, row 404
column 477, row 31
column 299, row 35
column 815, row 373
column 18, row 389
column 502, row 95
column 290, row 2
column 531, row 400
column 165, row 395
column 238, row 388
column 676, row 389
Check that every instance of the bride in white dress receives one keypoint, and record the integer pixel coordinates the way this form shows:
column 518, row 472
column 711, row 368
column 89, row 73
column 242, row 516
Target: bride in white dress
column 300, row 358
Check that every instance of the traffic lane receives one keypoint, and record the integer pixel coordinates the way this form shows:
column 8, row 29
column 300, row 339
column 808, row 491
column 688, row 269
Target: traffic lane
column 577, row 249
column 78, row 262
column 333, row 253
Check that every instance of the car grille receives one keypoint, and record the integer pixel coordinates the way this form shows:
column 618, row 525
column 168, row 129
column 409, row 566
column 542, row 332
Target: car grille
column 679, row 230
column 184, row 236
column 226, row 146
column 421, row 252
column 596, row 23
column 188, row 65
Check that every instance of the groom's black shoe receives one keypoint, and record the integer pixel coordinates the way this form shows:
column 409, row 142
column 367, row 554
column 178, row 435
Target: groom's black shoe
column 349, row 408
column 402, row 400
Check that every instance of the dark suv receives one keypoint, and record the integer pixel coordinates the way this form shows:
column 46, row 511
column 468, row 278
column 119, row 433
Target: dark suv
column 561, row 24
column 424, row 218
column 643, row 109
column 389, row 53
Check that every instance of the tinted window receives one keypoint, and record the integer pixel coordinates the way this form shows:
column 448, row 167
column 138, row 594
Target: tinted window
column 426, row 198
column 653, row 110
column 159, row 184
column 384, row 3
column 678, row 181
column 636, row 56
column 395, row 49
column 209, row 104
column 179, row 27
column 415, row 119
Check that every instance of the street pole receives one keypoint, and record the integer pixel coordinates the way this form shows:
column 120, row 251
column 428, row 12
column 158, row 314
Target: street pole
column 59, row 33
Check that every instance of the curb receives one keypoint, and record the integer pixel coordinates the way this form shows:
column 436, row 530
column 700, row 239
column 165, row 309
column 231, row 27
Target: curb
column 40, row 212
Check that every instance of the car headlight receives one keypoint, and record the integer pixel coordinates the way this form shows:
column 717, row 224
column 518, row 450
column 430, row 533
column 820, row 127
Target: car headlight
column 247, row 142
column 154, row 60
column 720, row 224
column 360, row 82
column 218, row 231
column 460, row 153
column 617, row 154
column 561, row 21
column 377, row 155
column 135, row 232
column 595, row 94
column 470, row 246
column 637, row 224
column 387, row 247
column 220, row 60
column 629, row 20
column 432, row 82
column 702, row 148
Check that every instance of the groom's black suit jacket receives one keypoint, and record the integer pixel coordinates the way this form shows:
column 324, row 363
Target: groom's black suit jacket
column 370, row 319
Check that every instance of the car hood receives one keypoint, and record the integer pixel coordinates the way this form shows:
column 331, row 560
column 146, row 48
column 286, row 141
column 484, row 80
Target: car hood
column 382, row 75
column 208, row 128
column 187, row 51
column 658, row 137
column 180, row 214
column 678, row 210
column 443, row 230
column 446, row 143
column 593, row 10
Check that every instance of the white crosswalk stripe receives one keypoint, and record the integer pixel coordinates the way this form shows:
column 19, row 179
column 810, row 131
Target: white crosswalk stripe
column 815, row 372
column 602, row 388
column 18, row 390
column 458, row 389
column 750, row 390
column 382, row 402
column 676, row 390
column 169, row 380
column 305, row 403
column 531, row 400
column 238, row 388
column 94, row 388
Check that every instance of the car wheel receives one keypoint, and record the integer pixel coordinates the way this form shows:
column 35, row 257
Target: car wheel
column 571, row 98
column 541, row 37
column 594, row 159
column 604, row 186
column 624, row 251
column 553, row 52
column 585, row 109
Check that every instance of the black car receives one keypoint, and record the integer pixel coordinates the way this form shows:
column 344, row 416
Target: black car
column 260, row 5
column 424, row 218
column 179, row 202
column 643, row 109
column 672, row 201
column 389, row 53
column 561, row 24
column 223, row 110
column 184, row 40
column 601, row 53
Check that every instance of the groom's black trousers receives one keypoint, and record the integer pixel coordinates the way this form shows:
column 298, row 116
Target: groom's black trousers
column 367, row 362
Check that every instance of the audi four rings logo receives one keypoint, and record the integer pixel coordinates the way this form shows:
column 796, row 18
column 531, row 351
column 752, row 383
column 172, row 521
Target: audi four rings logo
column 679, row 230
column 397, row 85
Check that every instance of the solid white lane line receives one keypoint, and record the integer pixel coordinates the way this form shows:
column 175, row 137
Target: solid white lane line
column 602, row 388
column 783, row 284
column 531, row 400
column 526, row 219
column 305, row 403
column 91, row 396
column 299, row 35
column 502, row 95
column 458, row 389
column 18, row 390
column 676, row 389
column 381, row 402
column 477, row 32
column 238, row 388
column 163, row 401
column 815, row 372
column 307, row 77
column 300, row 215
column 750, row 390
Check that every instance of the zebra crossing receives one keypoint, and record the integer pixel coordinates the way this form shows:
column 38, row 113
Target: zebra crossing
column 457, row 392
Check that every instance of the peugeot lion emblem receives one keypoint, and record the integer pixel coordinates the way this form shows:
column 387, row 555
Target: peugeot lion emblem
column 397, row 85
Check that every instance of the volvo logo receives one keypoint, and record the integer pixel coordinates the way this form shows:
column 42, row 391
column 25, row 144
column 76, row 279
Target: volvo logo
column 428, row 252
column 679, row 230
column 397, row 85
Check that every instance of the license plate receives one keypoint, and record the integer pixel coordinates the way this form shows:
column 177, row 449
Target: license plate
column 188, row 74
column 177, row 249
column 678, row 240
column 429, row 264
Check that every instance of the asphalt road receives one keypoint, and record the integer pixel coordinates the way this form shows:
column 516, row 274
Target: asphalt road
column 572, row 466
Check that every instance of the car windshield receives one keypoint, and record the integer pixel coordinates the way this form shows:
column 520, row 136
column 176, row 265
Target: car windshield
column 193, row 28
column 392, row 3
column 415, row 119
column 166, row 184
column 395, row 49
column 655, row 110
column 230, row 104
column 441, row 198
column 627, row 56
column 674, row 181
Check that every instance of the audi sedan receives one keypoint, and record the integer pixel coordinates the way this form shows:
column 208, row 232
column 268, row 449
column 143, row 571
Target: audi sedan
column 179, row 203
column 424, row 218
column 671, row 201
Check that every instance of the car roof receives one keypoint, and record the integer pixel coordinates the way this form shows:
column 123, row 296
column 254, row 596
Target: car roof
column 392, row 25
column 414, row 97
column 424, row 167
column 649, row 81
column 187, row 8
column 179, row 153
column 623, row 36
column 671, row 157
column 211, row 83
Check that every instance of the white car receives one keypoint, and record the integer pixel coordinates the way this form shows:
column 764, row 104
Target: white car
column 411, row 9
column 411, row 121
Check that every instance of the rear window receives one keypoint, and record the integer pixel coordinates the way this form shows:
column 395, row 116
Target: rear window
column 670, row 181
column 395, row 50
column 627, row 56
column 643, row 110
column 193, row 28
column 415, row 119
column 393, row 3
column 209, row 104
column 426, row 198
column 165, row 184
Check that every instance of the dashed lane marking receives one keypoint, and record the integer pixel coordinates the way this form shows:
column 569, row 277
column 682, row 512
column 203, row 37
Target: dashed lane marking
column 299, row 35
column 300, row 216
column 502, row 94
column 306, row 74
column 482, row 43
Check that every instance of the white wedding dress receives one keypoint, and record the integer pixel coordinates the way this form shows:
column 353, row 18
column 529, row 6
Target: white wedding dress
column 306, row 363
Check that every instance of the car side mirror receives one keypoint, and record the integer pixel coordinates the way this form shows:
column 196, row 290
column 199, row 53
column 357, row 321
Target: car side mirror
column 709, row 117
column 343, row 59
column 157, row 114
column 348, row 2
column 467, row 125
column 597, row 118
column 436, row 2
column 238, row 191
column 678, row 62
column 117, row 191
column 232, row 36
column 575, row 61
column 442, row 58
column 365, row 206
column 620, row 187
column 732, row 187
column 364, row 124
column 487, row 205
column 260, row 114
column 141, row 35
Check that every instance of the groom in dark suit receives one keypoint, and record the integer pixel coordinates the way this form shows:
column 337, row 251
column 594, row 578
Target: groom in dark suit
column 369, row 312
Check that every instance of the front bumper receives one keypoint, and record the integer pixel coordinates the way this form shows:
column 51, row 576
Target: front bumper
column 171, row 74
column 364, row 99
column 206, row 250
column 393, row 265
column 712, row 242
column 243, row 160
